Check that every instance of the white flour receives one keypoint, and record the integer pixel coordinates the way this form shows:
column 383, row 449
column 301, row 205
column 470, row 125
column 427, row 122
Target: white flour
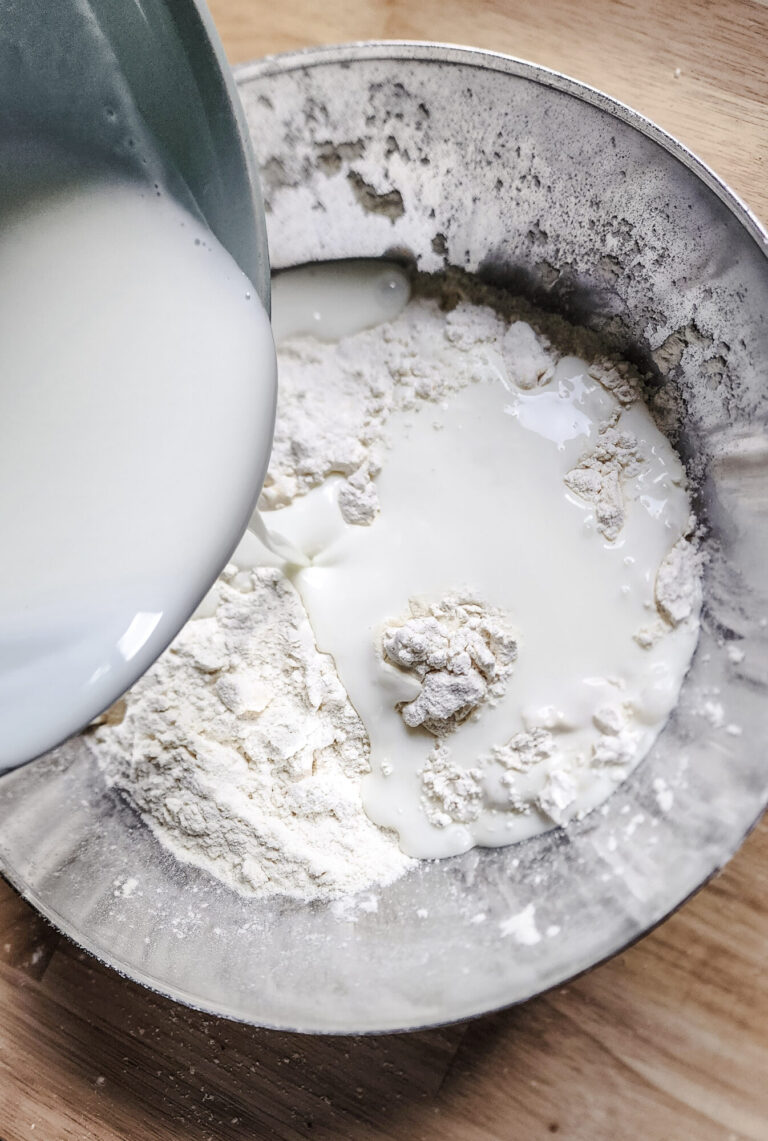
column 598, row 476
column 462, row 653
column 678, row 583
column 450, row 793
column 240, row 747
column 243, row 753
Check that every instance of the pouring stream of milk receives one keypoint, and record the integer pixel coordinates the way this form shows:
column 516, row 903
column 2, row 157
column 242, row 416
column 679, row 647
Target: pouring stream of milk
column 136, row 411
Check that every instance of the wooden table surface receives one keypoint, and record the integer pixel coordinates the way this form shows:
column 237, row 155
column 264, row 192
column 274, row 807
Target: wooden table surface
column 668, row 1042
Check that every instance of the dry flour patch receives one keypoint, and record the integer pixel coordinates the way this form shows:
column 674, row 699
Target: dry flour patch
column 241, row 749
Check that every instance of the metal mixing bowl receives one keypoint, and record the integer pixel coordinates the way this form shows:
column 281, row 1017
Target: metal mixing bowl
column 502, row 168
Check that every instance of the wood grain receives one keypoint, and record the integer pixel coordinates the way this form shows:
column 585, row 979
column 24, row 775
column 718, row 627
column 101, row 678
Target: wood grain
column 668, row 1042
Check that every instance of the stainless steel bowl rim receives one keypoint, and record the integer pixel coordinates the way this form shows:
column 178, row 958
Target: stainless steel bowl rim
column 427, row 50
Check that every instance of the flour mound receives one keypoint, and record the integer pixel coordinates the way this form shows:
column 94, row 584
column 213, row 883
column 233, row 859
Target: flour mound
column 462, row 653
column 244, row 755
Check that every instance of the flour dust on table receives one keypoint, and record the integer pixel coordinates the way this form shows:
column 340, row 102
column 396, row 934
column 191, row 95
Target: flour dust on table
column 495, row 607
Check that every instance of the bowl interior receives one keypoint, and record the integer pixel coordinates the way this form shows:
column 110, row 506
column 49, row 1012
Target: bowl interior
column 451, row 157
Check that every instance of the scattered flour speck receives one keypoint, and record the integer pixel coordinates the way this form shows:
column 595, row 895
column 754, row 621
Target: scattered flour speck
column 522, row 927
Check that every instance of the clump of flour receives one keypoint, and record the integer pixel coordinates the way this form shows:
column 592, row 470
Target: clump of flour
column 597, row 477
column 461, row 651
column 451, row 794
column 525, row 749
column 531, row 364
column 244, row 755
column 677, row 592
column 618, row 377
column 528, row 750
column 678, row 583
